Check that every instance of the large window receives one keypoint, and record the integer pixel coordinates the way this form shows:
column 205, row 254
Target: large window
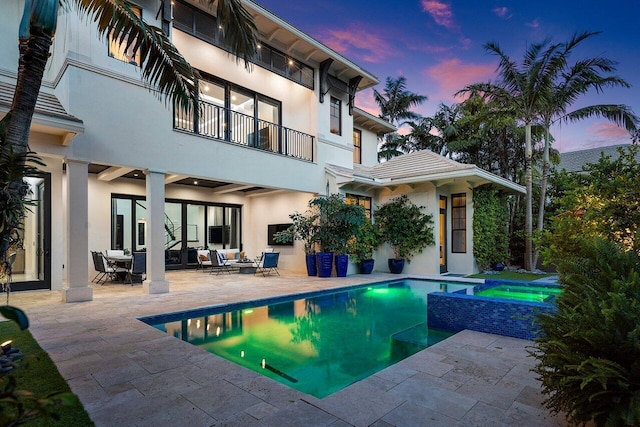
column 188, row 226
column 363, row 201
column 120, row 51
column 205, row 26
column 335, row 114
column 357, row 146
column 459, row 223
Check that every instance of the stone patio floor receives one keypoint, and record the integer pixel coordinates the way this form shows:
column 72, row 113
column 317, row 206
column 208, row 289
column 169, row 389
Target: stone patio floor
column 127, row 373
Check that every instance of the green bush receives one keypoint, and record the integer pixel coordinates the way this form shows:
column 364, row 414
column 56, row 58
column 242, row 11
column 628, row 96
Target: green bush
column 490, row 227
column 589, row 354
column 403, row 225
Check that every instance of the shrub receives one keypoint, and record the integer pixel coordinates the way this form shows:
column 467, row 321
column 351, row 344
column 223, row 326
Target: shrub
column 490, row 227
column 589, row 354
column 403, row 225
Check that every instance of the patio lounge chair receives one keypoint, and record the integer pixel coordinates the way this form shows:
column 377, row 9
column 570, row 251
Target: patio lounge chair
column 219, row 263
column 203, row 259
column 268, row 263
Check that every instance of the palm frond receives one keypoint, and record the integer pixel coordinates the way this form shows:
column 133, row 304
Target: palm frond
column 621, row 115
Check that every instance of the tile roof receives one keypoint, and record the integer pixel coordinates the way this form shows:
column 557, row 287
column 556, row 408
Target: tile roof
column 573, row 161
column 47, row 104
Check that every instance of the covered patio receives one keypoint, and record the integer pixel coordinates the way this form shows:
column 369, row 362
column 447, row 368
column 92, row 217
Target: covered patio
column 128, row 373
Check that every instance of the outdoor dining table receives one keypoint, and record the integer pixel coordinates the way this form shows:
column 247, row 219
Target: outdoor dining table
column 123, row 261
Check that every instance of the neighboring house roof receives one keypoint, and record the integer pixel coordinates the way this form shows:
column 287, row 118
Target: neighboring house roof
column 368, row 121
column 417, row 167
column 573, row 161
column 49, row 115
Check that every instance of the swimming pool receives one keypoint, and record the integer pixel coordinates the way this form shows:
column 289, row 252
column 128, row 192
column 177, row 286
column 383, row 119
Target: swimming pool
column 521, row 292
column 320, row 342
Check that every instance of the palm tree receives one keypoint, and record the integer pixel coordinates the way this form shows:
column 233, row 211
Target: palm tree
column 395, row 105
column 584, row 75
column 163, row 69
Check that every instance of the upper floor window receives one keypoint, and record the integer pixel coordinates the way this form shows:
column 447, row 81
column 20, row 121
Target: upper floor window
column 459, row 223
column 357, row 146
column 335, row 113
column 363, row 201
column 205, row 26
column 120, row 50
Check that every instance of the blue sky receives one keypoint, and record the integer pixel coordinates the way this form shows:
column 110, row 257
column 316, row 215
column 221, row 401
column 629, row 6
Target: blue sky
column 438, row 45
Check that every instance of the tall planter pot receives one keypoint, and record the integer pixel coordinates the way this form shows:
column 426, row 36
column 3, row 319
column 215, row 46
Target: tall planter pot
column 325, row 263
column 396, row 265
column 342, row 264
column 312, row 269
column 366, row 266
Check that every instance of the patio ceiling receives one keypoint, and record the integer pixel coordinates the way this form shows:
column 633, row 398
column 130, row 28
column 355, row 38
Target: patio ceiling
column 111, row 173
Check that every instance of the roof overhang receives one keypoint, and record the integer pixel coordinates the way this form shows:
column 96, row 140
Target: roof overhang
column 472, row 176
column 49, row 117
column 281, row 34
column 368, row 121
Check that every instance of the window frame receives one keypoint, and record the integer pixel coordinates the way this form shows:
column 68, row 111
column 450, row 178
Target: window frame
column 357, row 148
column 459, row 223
column 365, row 201
column 335, row 113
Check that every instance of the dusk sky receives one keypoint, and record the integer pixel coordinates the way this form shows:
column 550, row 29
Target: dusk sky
column 438, row 46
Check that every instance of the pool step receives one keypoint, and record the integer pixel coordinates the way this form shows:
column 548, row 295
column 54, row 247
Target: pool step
column 413, row 339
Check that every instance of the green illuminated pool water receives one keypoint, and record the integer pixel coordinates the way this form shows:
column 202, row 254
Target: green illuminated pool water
column 321, row 344
column 521, row 293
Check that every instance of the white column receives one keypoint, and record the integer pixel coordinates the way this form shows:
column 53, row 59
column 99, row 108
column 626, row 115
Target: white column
column 77, row 287
column 155, row 282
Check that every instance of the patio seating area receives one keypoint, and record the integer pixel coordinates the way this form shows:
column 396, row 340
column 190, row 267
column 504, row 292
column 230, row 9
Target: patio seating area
column 128, row 373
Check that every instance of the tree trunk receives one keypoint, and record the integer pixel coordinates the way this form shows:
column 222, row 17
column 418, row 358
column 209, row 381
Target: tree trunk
column 34, row 55
column 528, row 219
column 543, row 189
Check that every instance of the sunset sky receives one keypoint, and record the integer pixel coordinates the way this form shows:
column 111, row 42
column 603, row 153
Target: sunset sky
column 438, row 45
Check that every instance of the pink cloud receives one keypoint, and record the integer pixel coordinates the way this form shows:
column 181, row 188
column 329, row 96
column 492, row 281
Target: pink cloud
column 534, row 24
column 503, row 12
column 358, row 41
column 607, row 132
column 365, row 101
column 451, row 75
column 440, row 12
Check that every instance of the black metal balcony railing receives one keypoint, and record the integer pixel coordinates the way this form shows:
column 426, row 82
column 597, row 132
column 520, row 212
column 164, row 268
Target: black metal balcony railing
column 245, row 130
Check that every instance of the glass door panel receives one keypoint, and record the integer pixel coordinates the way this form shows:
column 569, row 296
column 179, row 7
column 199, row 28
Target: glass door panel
column 196, row 238
column 173, row 233
column 242, row 122
column 31, row 264
column 212, row 115
column 268, row 125
column 442, row 235
column 215, row 224
column 141, row 226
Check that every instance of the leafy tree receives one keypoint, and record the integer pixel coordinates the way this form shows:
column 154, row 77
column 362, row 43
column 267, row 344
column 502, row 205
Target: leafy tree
column 543, row 86
column 403, row 225
column 163, row 69
column 578, row 79
column 338, row 222
column 602, row 202
column 395, row 104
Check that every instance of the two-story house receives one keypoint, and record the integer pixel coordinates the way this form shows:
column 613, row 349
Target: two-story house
column 124, row 171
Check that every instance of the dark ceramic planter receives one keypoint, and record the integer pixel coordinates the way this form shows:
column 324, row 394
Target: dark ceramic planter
column 498, row 266
column 396, row 265
column 366, row 266
column 342, row 264
column 312, row 270
column 324, row 263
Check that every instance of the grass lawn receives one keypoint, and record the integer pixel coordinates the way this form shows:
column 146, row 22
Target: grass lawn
column 39, row 375
column 511, row 275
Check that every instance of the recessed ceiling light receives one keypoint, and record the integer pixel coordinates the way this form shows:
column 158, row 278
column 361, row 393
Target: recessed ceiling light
column 195, row 182
column 135, row 174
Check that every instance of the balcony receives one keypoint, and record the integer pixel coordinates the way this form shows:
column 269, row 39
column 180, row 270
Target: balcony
column 227, row 125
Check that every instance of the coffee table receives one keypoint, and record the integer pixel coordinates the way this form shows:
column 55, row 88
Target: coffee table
column 246, row 267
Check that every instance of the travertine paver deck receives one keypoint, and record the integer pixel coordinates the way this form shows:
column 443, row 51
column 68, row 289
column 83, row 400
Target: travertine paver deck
column 127, row 373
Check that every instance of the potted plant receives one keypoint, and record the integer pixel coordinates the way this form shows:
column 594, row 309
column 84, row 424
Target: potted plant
column 362, row 245
column 405, row 228
column 338, row 222
column 304, row 228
